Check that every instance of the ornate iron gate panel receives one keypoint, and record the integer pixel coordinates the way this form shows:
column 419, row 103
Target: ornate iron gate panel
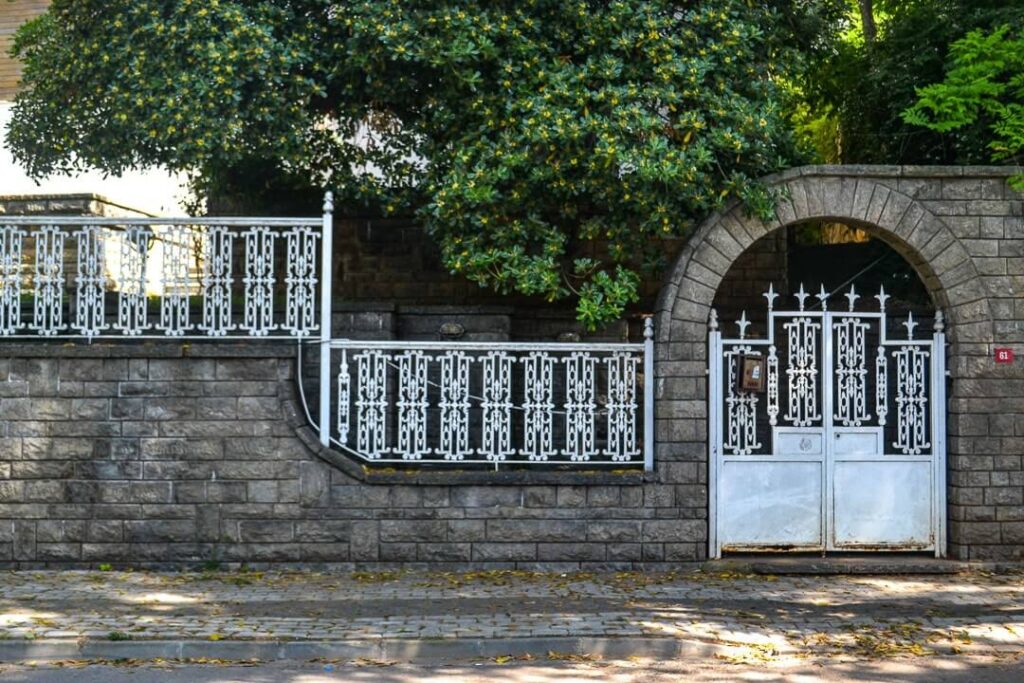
column 825, row 433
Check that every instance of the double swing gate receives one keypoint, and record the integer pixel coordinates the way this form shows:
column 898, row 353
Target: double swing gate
column 828, row 433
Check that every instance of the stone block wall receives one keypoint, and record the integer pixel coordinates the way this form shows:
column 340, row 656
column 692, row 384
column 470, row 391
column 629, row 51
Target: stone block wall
column 391, row 266
column 762, row 264
column 177, row 454
column 393, row 260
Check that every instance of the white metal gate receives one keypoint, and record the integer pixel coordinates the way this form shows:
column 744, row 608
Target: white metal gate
column 842, row 447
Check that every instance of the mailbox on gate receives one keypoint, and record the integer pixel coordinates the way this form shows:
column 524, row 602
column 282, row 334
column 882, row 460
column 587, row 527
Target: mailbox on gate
column 751, row 374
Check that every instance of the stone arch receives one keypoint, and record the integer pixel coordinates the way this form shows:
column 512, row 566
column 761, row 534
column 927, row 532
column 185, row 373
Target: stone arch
column 881, row 200
column 812, row 193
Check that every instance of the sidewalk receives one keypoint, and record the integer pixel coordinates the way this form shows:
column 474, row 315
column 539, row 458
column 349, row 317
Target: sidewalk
column 409, row 616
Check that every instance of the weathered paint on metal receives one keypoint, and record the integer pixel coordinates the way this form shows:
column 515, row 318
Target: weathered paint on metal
column 812, row 469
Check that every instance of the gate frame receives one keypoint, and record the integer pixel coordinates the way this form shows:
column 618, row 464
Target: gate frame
column 937, row 408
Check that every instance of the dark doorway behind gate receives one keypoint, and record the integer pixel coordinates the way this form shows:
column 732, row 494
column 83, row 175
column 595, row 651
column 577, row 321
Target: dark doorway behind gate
column 833, row 255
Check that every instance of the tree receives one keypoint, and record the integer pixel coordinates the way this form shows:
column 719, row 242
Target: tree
column 984, row 85
column 866, row 83
column 545, row 144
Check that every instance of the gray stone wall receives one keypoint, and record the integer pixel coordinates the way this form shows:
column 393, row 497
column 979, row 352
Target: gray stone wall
column 392, row 268
column 394, row 261
column 962, row 228
column 78, row 204
column 764, row 263
column 170, row 454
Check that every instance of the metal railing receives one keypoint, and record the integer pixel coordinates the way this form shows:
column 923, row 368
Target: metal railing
column 492, row 403
column 270, row 278
column 95, row 276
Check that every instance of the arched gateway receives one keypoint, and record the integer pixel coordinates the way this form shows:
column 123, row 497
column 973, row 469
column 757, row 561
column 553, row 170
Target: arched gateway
column 839, row 441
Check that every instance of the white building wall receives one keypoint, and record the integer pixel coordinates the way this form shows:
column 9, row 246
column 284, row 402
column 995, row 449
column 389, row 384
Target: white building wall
column 153, row 191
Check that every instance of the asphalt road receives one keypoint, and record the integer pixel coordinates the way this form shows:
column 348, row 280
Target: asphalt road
column 917, row 670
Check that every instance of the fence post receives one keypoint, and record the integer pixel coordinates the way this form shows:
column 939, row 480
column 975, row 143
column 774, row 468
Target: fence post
column 326, row 250
column 938, row 380
column 714, row 429
column 648, row 395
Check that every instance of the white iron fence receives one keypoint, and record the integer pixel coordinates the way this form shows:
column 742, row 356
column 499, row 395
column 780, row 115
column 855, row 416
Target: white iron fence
column 493, row 403
column 265, row 278
column 159, row 277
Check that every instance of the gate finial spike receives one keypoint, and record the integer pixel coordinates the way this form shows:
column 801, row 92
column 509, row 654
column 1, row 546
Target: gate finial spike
column 713, row 320
column 910, row 325
column 648, row 328
column 882, row 297
column 852, row 297
column 328, row 202
column 801, row 296
column 771, row 296
column 743, row 324
column 940, row 322
column 822, row 297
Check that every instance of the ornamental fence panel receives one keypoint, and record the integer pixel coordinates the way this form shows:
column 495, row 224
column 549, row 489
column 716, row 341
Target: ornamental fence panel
column 493, row 403
column 94, row 276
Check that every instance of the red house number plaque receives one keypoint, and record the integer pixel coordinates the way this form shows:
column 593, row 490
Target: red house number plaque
column 1004, row 355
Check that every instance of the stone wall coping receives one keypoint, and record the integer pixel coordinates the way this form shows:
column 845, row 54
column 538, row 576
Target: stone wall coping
column 79, row 196
column 129, row 348
column 452, row 477
column 443, row 309
column 881, row 171
column 363, row 306
column 84, row 197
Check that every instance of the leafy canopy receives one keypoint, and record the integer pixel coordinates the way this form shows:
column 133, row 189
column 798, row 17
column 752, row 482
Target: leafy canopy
column 984, row 83
column 545, row 144
column 863, row 85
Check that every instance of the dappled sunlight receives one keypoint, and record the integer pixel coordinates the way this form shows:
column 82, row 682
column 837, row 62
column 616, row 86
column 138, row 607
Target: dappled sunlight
column 910, row 586
column 25, row 616
column 754, row 618
column 516, row 672
column 162, row 598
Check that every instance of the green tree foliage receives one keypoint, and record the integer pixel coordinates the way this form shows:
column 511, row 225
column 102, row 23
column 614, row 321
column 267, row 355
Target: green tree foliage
column 868, row 81
column 545, row 144
column 984, row 85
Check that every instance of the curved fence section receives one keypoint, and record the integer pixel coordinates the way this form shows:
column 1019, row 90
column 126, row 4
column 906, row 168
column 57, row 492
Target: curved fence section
column 269, row 278
column 493, row 403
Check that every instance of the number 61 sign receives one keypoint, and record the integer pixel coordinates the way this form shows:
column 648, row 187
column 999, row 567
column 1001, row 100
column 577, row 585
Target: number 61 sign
column 1004, row 355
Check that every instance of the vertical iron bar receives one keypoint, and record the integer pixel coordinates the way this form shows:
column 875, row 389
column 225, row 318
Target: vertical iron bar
column 714, row 382
column 939, row 432
column 826, row 370
column 326, row 248
column 648, row 395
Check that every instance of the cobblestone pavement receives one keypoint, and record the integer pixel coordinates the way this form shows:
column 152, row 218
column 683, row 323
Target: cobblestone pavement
column 760, row 616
